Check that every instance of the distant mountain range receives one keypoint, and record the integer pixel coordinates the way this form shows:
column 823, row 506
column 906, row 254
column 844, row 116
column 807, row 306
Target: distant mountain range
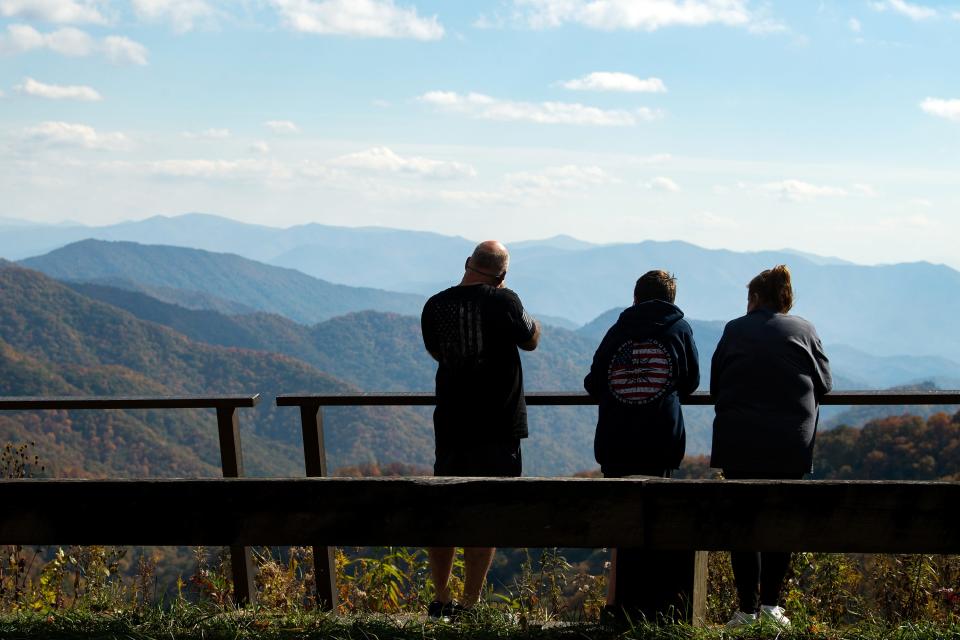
column 192, row 276
column 882, row 310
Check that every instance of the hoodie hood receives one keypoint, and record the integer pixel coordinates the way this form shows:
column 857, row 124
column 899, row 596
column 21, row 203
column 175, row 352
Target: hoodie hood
column 652, row 316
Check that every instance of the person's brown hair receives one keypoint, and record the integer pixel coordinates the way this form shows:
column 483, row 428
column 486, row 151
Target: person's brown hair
column 772, row 288
column 655, row 285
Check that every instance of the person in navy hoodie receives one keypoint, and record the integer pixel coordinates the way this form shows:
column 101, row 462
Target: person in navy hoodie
column 645, row 365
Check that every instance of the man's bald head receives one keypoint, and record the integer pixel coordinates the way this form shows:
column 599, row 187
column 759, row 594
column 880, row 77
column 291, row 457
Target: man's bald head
column 491, row 257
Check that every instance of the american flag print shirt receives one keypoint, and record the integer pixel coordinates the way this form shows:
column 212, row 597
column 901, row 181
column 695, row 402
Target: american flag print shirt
column 640, row 372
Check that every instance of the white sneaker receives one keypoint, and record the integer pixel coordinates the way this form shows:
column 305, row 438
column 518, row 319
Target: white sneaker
column 775, row 615
column 741, row 619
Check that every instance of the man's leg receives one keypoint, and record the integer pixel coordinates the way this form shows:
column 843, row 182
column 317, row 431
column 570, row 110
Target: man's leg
column 441, row 564
column 477, row 562
column 746, row 577
column 773, row 571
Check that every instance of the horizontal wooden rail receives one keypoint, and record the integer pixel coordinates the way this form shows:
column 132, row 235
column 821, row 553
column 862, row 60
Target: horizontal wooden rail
column 228, row 431
column 127, row 402
column 839, row 516
column 574, row 398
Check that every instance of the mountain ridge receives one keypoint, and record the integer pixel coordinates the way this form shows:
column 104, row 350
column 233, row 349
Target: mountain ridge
column 229, row 276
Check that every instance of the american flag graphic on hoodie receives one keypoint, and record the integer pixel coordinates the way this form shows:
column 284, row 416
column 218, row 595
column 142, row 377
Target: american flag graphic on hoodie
column 640, row 372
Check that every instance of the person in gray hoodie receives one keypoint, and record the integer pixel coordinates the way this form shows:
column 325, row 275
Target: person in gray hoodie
column 645, row 364
column 767, row 377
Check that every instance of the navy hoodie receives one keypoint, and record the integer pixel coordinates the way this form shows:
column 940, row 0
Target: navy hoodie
column 645, row 364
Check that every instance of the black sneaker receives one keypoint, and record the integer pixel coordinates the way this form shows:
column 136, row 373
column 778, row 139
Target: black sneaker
column 446, row 611
column 437, row 609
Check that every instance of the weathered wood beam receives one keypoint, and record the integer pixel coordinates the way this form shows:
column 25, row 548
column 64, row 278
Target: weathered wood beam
column 852, row 516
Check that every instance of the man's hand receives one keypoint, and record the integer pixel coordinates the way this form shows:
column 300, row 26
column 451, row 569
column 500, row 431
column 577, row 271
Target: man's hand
column 532, row 343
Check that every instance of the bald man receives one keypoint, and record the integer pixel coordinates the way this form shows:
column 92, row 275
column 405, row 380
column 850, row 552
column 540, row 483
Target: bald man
column 473, row 331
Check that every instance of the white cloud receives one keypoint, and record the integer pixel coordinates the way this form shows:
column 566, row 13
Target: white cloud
column 639, row 15
column 359, row 18
column 955, row 15
column 260, row 147
column 57, row 11
column 915, row 12
column 921, row 202
column 855, row 25
column 66, row 134
column 72, row 42
column 37, row 89
column 282, row 126
column 485, row 107
column 865, row 190
column 661, row 183
column 711, row 220
column 182, row 15
column 123, row 50
column 67, row 41
column 915, row 222
column 656, row 158
column 208, row 134
column 558, row 179
column 949, row 109
column 385, row 160
column 797, row 190
column 615, row 81
column 200, row 169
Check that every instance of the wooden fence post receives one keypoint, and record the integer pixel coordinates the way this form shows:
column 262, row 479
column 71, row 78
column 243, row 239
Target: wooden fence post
column 231, row 458
column 701, row 574
column 315, row 461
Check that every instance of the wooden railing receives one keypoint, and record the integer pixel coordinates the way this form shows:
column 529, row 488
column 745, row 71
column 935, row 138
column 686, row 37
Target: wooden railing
column 231, row 453
column 315, row 458
column 322, row 512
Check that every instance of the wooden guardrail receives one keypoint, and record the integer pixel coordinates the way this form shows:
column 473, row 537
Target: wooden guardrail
column 835, row 516
column 807, row 515
column 228, row 428
column 315, row 457
column 817, row 516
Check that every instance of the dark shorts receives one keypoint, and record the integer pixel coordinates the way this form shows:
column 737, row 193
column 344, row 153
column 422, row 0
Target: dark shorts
column 496, row 459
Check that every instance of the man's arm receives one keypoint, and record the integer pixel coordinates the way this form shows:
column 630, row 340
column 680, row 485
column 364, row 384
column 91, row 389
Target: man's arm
column 429, row 335
column 534, row 340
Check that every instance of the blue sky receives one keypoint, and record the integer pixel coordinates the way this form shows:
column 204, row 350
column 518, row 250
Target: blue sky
column 830, row 127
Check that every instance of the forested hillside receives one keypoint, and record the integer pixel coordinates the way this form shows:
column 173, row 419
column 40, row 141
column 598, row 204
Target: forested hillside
column 384, row 352
column 54, row 341
column 907, row 447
